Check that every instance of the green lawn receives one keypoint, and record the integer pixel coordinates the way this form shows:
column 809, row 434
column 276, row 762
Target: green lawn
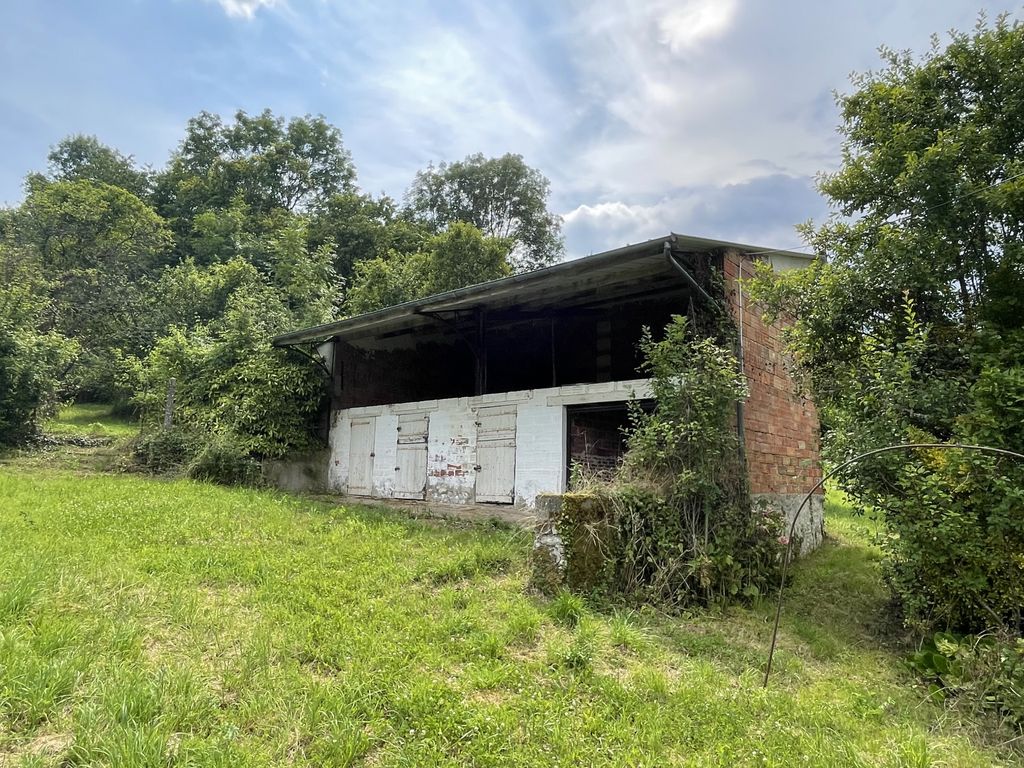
column 172, row 623
column 89, row 420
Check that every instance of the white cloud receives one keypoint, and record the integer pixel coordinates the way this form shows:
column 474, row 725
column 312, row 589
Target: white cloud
column 420, row 87
column 688, row 101
column 244, row 9
column 761, row 212
column 689, row 24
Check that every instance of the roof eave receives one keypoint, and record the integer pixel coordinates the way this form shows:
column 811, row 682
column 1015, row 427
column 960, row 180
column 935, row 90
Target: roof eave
column 439, row 302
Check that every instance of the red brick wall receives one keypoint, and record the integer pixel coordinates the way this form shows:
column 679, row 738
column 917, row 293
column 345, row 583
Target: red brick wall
column 781, row 425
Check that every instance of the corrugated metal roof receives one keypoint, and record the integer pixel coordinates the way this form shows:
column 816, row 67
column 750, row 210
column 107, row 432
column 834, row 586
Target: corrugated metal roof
column 631, row 261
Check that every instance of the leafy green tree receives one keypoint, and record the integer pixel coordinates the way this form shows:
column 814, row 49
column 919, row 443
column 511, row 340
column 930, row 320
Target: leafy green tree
column 79, row 158
column 266, row 162
column 100, row 248
column 457, row 257
column 361, row 227
column 32, row 361
column 503, row 197
column 912, row 320
column 193, row 295
column 231, row 382
column 304, row 277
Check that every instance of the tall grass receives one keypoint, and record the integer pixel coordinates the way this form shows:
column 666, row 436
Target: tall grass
column 89, row 420
column 174, row 623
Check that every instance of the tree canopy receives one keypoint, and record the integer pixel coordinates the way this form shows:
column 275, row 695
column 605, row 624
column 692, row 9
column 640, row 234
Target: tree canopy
column 503, row 197
column 78, row 158
column 122, row 277
column 909, row 328
column 457, row 257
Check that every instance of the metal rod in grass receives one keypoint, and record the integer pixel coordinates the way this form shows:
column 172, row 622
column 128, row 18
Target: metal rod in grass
column 820, row 483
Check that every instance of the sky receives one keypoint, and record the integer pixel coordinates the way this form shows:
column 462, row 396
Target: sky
column 704, row 117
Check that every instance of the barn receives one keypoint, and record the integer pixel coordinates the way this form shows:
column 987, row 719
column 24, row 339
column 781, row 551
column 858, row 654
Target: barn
column 496, row 393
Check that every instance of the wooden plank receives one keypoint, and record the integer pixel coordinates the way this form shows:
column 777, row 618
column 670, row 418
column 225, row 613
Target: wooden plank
column 496, row 422
column 495, row 478
column 411, row 461
column 413, row 428
column 360, row 457
column 496, row 454
column 411, row 472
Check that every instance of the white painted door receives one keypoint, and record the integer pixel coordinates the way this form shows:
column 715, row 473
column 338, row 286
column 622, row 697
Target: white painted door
column 411, row 469
column 360, row 457
column 496, row 454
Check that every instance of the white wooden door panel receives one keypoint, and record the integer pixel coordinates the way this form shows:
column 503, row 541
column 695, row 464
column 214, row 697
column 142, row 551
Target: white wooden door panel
column 496, row 454
column 496, row 423
column 360, row 457
column 411, row 469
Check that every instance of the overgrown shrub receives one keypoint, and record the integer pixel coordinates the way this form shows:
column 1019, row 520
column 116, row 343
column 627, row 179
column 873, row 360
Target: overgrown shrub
column 165, row 450
column 30, row 364
column 984, row 673
column 676, row 524
column 32, row 361
column 230, row 380
column 222, row 460
column 955, row 554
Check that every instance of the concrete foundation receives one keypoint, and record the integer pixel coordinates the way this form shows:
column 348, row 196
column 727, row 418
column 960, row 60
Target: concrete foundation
column 810, row 527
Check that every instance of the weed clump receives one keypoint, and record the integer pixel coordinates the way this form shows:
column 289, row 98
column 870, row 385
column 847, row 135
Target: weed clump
column 225, row 462
column 567, row 609
column 163, row 451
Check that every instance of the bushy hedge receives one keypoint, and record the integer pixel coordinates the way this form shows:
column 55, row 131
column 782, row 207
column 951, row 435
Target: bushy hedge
column 214, row 458
column 985, row 673
column 955, row 553
column 163, row 450
column 676, row 525
column 222, row 460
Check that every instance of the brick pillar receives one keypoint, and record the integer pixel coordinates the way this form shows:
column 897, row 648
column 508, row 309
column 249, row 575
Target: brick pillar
column 780, row 423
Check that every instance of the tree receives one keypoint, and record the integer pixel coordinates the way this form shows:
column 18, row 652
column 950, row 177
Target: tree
column 98, row 244
column 910, row 327
column 32, row 361
column 232, row 383
column 361, row 227
column 80, row 157
column 503, row 197
column 457, row 257
column 265, row 161
column 101, row 249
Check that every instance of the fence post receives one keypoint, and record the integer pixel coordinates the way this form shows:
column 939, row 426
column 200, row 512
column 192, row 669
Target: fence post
column 169, row 405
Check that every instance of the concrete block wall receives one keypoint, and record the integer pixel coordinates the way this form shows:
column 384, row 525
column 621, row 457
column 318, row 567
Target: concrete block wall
column 540, row 452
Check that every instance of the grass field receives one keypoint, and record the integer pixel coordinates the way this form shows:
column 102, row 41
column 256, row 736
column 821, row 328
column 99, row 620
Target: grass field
column 150, row 623
column 89, row 420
